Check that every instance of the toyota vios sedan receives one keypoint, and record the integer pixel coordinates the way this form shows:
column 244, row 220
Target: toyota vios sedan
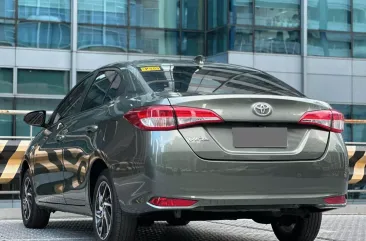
column 181, row 141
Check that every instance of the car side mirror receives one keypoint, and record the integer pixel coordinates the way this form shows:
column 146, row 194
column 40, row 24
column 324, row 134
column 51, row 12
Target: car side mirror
column 36, row 118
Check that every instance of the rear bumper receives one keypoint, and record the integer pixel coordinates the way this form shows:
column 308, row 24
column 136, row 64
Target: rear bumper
column 234, row 185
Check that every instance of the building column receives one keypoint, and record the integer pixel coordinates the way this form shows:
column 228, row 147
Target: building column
column 304, row 44
column 74, row 42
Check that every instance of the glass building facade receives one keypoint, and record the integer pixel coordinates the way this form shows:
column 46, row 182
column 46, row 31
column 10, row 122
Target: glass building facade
column 47, row 46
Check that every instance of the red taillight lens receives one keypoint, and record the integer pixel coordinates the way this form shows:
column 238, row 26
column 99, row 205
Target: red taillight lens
column 171, row 202
column 168, row 118
column 338, row 122
column 187, row 116
column 152, row 118
column 335, row 200
column 331, row 120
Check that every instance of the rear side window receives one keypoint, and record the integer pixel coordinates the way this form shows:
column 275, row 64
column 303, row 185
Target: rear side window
column 214, row 79
column 99, row 89
column 71, row 105
column 114, row 89
column 125, row 86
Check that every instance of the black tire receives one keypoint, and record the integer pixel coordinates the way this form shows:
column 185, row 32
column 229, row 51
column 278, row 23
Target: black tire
column 304, row 229
column 177, row 222
column 146, row 222
column 122, row 225
column 37, row 218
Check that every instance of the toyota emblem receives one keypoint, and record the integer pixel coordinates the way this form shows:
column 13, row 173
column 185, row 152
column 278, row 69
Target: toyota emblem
column 262, row 109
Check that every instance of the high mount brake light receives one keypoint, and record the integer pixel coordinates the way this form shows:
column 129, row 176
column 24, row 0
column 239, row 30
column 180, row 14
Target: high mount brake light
column 331, row 120
column 162, row 117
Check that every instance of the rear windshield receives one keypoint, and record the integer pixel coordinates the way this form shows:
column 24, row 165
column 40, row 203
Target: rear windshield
column 213, row 79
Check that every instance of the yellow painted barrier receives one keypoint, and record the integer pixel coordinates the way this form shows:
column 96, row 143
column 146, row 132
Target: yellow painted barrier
column 12, row 152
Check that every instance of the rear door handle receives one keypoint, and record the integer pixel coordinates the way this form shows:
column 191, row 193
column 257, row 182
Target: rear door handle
column 60, row 137
column 92, row 128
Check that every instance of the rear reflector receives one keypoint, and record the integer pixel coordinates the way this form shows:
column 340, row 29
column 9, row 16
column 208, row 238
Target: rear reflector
column 335, row 200
column 331, row 120
column 163, row 117
column 171, row 202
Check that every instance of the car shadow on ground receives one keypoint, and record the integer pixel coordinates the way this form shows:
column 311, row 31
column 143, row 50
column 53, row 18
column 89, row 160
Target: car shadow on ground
column 212, row 231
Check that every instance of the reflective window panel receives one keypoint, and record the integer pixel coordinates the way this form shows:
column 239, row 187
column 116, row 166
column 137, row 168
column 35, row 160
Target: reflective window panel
column 7, row 32
column 6, row 120
column 47, row 82
column 44, row 35
column 80, row 76
column 359, row 16
column 217, row 41
column 102, row 38
column 277, row 13
column 241, row 39
column 192, row 43
column 154, row 41
column 45, row 10
column 217, row 13
column 193, row 14
column 157, row 13
column 329, row 44
column 22, row 129
column 359, row 46
column 106, row 12
column 329, row 15
column 6, row 80
column 7, row 8
column 277, row 41
column 241, row 12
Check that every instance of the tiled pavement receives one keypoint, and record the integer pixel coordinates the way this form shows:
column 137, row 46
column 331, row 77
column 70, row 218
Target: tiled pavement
column 334, row 228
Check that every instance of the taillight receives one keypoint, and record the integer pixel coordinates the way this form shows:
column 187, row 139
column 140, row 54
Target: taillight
column 169, row 117
column 171, row 202
column 331, row 120
column 187, row 116
column 152, row 118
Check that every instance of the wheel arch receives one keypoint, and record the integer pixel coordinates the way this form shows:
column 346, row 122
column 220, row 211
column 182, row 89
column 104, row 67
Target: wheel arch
column 96, row 168
column 24, row 166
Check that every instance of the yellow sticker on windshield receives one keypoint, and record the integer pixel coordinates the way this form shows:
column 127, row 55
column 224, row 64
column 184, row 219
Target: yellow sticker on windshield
column 152, row 68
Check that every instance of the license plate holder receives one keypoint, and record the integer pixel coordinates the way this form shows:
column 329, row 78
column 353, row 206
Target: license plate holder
column 260, row 137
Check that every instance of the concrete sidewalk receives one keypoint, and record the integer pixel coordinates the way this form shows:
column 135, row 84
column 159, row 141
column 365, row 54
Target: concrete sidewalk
column 15, row 214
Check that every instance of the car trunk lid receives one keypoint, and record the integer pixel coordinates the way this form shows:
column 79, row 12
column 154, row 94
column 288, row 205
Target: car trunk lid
column 247, row 135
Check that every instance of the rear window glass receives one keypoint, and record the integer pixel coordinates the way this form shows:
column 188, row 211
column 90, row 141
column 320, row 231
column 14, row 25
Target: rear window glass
column 213, row 79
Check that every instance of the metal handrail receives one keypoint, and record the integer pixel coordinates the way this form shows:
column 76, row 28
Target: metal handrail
column 9, row 192
column 355, row 143
column 19, row 112
column 14, row 137
column 352, row 121
column 357, row 191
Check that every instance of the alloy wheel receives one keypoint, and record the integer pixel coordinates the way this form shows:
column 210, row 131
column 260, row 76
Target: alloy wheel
column 103, row 210
column 27, row 198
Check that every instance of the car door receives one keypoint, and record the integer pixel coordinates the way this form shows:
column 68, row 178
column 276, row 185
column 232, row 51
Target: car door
column 79, row 138
column 47, row 153
column 48, row 167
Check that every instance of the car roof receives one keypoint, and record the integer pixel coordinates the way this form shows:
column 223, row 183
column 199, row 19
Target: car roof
column 163, row 61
